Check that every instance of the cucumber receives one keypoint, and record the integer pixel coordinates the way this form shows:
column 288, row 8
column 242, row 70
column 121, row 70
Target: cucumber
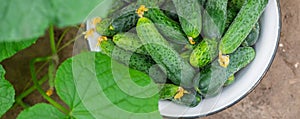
column 167, row 27
column 202, row 3
column 168, row 8
column 233, row 8
column 253, row 36
column 135, row 61
column 205, row 52
column 214, row 76
column 178, row 71
column 189, row 98
column 130, row 42
column 167, row 91
column 151, row 3
column 229, row 81
column 189, row 12
column 214, row 18
column 122, row 22
column 242, row 25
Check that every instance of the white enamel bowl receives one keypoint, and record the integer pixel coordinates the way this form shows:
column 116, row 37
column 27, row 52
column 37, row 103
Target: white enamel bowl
column 246, row 80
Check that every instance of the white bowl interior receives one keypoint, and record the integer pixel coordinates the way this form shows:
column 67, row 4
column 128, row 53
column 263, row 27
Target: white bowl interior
column 246, row 79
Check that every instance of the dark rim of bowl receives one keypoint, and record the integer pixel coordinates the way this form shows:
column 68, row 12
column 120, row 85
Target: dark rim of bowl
column 256, row 84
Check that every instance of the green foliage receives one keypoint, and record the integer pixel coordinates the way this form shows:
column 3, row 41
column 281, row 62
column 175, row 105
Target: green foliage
column 27, row 19
column 7, row 95
column 41, row 110
column 93, row 85
column 8, row 49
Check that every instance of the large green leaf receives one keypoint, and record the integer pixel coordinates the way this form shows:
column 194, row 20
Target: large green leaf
column 7, row 93
column 94, row 86
column 24, row 19
column 41, row 111
column 8, row 49
column 27, row 19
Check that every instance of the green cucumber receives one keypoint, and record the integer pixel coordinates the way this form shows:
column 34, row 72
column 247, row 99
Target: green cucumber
column 214, row 18
column 130, row 42
column 233, row 8
column 202, row 3
column 169, row 9
column 167, row 27
column 229, row 81
column 205, row 52
column 168, row 92
column 253, row 36
column 214, row 76
column 191, row 99
column 242, row 25
column 189, row 12
column 178, row 71
column 135, row 61
column 122, row 22
column 151, row 3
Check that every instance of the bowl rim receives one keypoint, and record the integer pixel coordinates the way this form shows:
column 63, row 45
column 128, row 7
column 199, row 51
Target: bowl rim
column 256, row 84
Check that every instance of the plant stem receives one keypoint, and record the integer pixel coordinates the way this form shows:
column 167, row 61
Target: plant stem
column 52, row 40
column 62, row 37
column 68, row 43
column 30, row 90
column 39, row 88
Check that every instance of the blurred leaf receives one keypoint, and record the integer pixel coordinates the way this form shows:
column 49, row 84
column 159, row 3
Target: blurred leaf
column 7, row 93
column 8, row 49
column 94, row 86
column 41, row 110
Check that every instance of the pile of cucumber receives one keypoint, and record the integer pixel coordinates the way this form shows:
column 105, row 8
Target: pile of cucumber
column 190, row 48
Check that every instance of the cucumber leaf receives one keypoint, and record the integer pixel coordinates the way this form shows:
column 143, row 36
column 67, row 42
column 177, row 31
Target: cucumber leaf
column 94, row 86
column 41, row 110
column 7, row 93
column 24, row 19
column 27, row 19
column 8, row 49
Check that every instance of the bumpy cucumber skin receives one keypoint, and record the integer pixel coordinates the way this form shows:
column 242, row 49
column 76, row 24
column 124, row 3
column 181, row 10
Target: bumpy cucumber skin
column 167, row 91
column 253, row 36
column 191, row 99
column 205, row 52
column 151, row 3
column 214, row 19
column 130, row 42
column 167, row 27
column 238, row 4
column 229, row 81
column 214, row 76
column 136, row 61
column 242, row 25
column 178, row 71
column 189, row 12
column 122, row 22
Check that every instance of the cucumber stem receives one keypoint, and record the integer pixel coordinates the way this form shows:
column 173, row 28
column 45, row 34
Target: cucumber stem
column 191, row 40
column 180, row 93
column 223, row 60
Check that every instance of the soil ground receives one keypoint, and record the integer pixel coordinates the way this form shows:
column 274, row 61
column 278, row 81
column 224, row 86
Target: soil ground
column 276, row 97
